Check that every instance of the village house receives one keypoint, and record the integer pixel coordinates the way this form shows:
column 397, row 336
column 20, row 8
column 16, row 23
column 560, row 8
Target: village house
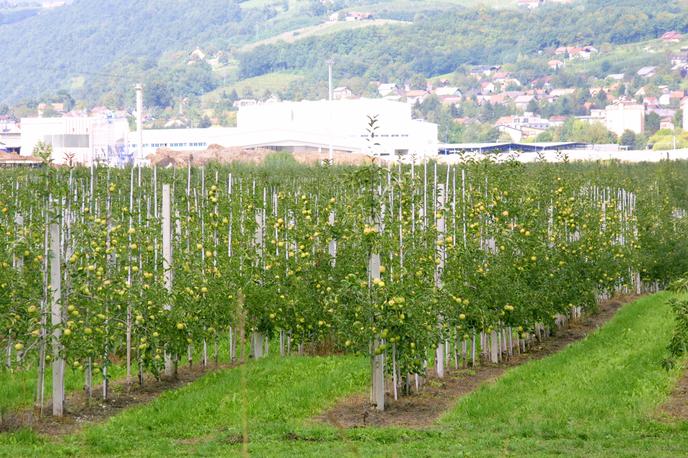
column 520, row 127
column 575, row 52
column 341, row 93
column 616, row 76
column 667, row 123
column 596, row 116
column 555, row 64
column 557, row 93
column 522, row 101
column 679, row 61
column 358, row 16
column 672, row 37
column 647, row 72
column 650, row 102
column 387, row 89
column 530, row 4
column 448, row 91
column 480, row 71
column 451, row 100
column 487, row 87
column 416, row 96
column 43, row 107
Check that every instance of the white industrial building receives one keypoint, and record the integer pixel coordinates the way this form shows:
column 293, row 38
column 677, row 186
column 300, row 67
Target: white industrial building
column 318, row 126
column 78, row 139
column 309, row 126
column 625, row 115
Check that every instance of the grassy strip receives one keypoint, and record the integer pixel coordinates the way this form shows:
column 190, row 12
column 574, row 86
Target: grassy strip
column 18, row 386
column 596, row 398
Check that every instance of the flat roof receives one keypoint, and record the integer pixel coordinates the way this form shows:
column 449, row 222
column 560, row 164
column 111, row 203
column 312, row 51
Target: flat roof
column 509, row 146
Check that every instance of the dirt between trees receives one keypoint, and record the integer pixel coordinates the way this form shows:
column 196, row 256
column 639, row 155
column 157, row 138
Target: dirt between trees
column 437, row 396
column 677, row 405
column 79, row 411
column 414, row 411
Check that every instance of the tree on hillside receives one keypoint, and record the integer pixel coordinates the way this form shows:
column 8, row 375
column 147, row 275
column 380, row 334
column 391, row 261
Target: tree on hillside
column 316, row 8
column 652, row 123
column 628, row 138
column 678, row 119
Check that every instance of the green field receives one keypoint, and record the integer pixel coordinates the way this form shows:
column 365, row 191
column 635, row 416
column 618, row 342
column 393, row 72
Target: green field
column 598, row 397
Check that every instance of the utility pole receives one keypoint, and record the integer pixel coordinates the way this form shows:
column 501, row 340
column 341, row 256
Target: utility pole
column 330, row 63
column 139, row 120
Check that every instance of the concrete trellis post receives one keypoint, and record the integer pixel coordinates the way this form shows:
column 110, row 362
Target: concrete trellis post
column 377, row 394
column 257, row 339
column 170, row 363
column 56, row 321
column 440, row 252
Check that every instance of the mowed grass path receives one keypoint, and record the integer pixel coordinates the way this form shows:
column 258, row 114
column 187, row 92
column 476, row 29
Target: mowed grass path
column 598, row 397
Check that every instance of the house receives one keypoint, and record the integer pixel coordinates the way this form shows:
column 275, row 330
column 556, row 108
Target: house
column 487, row 87
column 647, row 72
column 197, row 55
column 557, row 120
column 451, row 100
column 678, row 61
column 672, row 37
column 555, row 64
column 596, row 116
column 520, row 127
column 43, row 107
column 616, row 76
column 358, row 16
column 387, row 89
column 341, row 93
column 530, row 4
column 448, row 91
column 557, row 93
column 667, row 123
column 650, row 102
column 677, row 95
column 522, row 101
column 484, row 70
column 665, row 99
column 416, row 96
column 244, row 103
column 662, row 112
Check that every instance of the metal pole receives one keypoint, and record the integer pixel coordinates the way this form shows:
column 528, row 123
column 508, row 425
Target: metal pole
column 139, row 120
column 330, row 62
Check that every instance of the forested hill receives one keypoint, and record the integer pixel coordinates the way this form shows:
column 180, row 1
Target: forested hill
column 97, row 49
column 438, row 42
column 87, row 37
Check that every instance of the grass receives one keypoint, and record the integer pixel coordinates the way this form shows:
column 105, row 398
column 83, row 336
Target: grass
column 18, row 387
column 273, row 82
column 598, row 397
column 324, row 28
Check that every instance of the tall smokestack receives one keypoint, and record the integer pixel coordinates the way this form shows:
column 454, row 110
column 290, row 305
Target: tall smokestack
column 139, row 121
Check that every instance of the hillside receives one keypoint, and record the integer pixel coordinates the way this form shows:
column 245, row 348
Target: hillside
column 115, row 43
column 106, row 47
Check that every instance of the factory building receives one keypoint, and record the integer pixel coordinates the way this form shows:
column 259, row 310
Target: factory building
column 79, row 140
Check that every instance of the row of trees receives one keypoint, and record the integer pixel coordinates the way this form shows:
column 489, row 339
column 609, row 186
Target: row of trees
column 408, row 265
